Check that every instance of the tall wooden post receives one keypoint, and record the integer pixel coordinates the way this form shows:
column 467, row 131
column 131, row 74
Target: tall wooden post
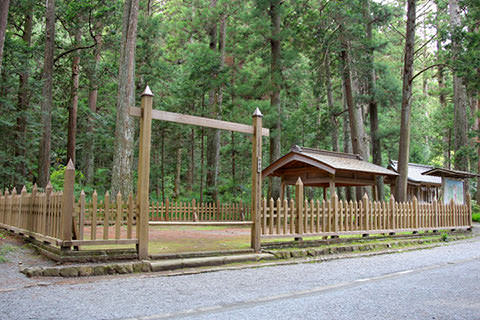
column 299, row 207
column 68, row 202
column 144, row 173
column 469, row 209
column 256, row 178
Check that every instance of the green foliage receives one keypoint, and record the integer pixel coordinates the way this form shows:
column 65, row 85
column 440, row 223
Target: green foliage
column 4, row 250
column 173, row 56
column 444, row 236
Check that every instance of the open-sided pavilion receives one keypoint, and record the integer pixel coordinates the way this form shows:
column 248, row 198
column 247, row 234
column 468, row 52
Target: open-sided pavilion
column 325, row 169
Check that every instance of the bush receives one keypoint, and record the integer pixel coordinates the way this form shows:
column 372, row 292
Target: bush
column 476, row 217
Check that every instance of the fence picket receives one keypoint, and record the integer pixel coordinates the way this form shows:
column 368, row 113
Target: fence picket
column 106, row 215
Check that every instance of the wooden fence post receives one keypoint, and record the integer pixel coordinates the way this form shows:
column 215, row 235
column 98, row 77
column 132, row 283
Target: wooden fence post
column 33, row 215
column 144, row 172
column 469, row 211
column 23, row 209
column 68, row 203
column 366, row 208
column 256, row 178
column 415, row 212
column 299, row 207
column 336, row 211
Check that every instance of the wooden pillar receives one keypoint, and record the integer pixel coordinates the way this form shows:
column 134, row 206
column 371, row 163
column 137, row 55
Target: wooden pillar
column 144, row 173
column 68, row 203
column 332, row 187
column 282, row 190
column 375, row 191
column 299, row 207
column 256, row 178
column 324, row 193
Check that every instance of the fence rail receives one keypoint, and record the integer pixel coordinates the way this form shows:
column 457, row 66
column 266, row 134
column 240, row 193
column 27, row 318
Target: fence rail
column 334, row 216
column 193, row 211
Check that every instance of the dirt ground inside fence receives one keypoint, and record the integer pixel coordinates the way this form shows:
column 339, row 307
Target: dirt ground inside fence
column 179, row 239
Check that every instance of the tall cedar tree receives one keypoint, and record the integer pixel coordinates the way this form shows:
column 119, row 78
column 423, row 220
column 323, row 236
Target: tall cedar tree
column 404, row 147
column 124, row 127
column 47, row 102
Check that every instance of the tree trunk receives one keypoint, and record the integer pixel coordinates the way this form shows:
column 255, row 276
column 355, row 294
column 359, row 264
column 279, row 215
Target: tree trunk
column 4, row 5
column 178, row 172
column 234, row 175
column 23, row 103
column 163, row 164
column 460, row 126
column 404, row 147
column 47, row 101
column 202, row 162
column 73, row 108
column 276, row 80
column 372, row 104
column 477, row 119
column 124, row 127
column 347, row 143
column 92, row 105
column 215, row 102
column 357, row 129
column 331, row 107
column 191, row 165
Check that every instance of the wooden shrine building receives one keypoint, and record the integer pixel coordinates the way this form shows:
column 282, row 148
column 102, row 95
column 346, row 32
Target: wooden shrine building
column 426, row 188
column 325, row 169
column 453, row 184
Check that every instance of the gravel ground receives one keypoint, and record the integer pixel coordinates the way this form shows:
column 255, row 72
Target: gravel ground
column 19, row 255
column 438, row 283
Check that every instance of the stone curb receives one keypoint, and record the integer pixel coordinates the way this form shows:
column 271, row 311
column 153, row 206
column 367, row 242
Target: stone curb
column 313, row 252
column 218, row 261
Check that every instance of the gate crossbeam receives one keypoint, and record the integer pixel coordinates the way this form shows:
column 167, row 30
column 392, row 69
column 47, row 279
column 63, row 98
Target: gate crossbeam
column 198, row 121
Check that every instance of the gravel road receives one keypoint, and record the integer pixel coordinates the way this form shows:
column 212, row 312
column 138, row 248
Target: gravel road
column 438, row 283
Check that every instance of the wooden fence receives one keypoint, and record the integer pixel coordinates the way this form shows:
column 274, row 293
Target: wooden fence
column 193, row 211
column 59, row 219
column 37, row 214
column 335, row 217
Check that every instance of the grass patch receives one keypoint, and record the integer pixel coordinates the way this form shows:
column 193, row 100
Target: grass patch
column 198, row 245
column 4, row 250
column 476, row 217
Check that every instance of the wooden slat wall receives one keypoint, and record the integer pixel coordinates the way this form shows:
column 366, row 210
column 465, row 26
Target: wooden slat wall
column 340, row 216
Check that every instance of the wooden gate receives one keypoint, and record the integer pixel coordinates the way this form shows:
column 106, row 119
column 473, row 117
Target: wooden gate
column 146, row 114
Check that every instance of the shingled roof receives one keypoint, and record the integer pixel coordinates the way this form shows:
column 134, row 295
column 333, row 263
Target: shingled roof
column 328, row 161
column 416, row 173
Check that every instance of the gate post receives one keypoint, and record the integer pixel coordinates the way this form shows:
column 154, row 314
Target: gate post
column 256, row 178
column 144, row 173
column 68, row 204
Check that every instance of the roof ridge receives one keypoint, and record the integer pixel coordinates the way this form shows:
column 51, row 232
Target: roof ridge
column 414, row 164
column 297, row 148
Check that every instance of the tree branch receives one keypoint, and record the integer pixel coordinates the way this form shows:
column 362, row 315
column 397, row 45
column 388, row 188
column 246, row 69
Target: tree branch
column 72, row 50
column 428, row 68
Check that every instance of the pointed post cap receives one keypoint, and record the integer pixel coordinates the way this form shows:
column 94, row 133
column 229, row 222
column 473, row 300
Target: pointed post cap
column 147, row 92
column 365, row 196
column 257, row 113
column 24, row 189
column 35, row 187
column 48, row 186
column 299, row 182
column 70, row 165
column 82, row 193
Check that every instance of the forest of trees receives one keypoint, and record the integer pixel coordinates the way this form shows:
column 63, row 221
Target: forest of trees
column 386, row 79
